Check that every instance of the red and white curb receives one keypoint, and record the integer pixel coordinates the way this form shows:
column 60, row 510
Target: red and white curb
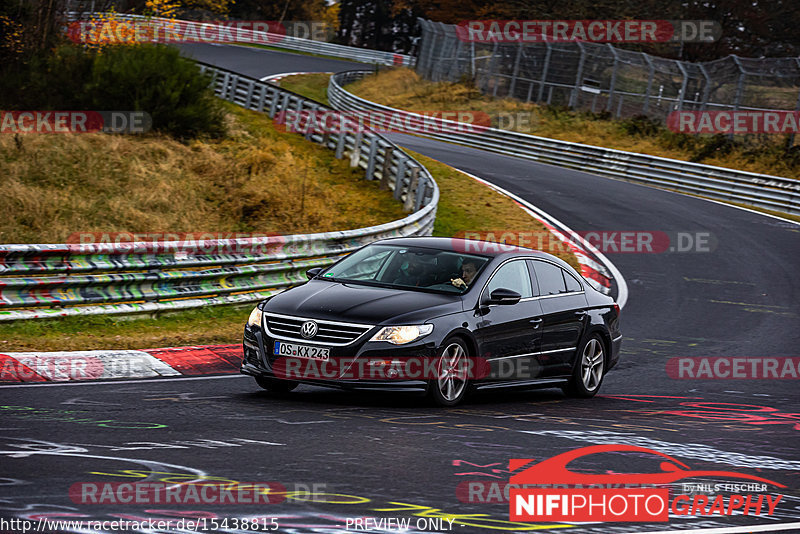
column 275, row 78
column 18, row 367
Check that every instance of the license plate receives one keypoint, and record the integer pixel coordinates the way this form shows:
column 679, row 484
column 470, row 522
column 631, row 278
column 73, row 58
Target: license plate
column 300, row 351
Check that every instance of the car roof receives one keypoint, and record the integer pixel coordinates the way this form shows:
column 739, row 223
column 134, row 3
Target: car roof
column 466, row 246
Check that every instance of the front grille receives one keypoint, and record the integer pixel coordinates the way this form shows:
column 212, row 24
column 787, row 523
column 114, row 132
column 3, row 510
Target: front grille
column 328, row 332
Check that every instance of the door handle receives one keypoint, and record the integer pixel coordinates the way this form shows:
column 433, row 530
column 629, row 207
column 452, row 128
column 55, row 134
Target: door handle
column 582, row 313
column 536, row 322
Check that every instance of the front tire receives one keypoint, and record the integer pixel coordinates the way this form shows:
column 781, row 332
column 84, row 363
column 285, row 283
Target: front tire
column 452, row 368
column 589, row 370
column 276, row 385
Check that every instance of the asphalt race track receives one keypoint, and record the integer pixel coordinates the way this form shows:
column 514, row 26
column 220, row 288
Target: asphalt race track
column 339, row 456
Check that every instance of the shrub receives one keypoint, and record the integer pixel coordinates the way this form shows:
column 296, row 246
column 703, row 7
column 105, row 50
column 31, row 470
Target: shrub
column 157, row 80
column 150, row 78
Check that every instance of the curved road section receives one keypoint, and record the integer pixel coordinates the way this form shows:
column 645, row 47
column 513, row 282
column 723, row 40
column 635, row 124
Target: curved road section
column 722, row 288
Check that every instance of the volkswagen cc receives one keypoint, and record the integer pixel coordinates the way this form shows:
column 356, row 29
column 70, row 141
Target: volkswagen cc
column 440, row 315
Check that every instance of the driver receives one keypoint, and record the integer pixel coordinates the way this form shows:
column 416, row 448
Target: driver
column 468, row 271
column 412, row 272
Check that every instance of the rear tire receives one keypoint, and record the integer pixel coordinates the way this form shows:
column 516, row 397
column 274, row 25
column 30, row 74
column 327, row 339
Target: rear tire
column 589, row 369
column 452, row 367
column 276, row 385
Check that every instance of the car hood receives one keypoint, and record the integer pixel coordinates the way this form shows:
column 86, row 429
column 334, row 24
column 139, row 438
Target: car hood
column 361, row 304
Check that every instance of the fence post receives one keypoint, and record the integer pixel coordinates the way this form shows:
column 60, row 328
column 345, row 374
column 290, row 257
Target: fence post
column 516, row 71
column 432, row 45
column 472, row 59
column 737, row 100
column 651, row 74
column 790, row 140
column 492, row 61
column 707, row 89
column 453, row 74
column 613, row 77
column 544, row 70
column 573, row 98
column 684, row 84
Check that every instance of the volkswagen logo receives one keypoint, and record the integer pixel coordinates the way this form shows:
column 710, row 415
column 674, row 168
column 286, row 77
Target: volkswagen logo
column 309, row 329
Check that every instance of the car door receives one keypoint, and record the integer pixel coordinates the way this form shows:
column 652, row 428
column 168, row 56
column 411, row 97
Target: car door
column 564, row 316
column 509, row 335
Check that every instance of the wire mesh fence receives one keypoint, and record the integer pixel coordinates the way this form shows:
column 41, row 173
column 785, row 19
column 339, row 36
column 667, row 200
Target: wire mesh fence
column 602, row 77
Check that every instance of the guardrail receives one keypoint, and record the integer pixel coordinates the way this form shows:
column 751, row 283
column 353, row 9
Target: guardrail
column 277, row 40
column 761, row 190
column 39, row 281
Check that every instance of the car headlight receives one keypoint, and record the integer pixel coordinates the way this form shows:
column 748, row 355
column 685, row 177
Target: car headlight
column 255, row 317
column 399, row 335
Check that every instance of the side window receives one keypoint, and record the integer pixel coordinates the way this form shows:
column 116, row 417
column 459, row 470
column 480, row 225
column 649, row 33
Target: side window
column 513, row 275
column 572, row 283
column 551, row 281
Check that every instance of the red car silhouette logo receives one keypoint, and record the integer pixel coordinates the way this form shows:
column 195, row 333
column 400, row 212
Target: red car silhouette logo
column 554, row 470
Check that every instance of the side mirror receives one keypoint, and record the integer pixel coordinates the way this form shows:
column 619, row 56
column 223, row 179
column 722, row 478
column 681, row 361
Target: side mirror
column 311, row 273
column 502, row 295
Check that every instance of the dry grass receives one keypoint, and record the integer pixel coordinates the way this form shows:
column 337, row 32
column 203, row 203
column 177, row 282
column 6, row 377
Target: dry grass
column 403, row 88
column 258, row 179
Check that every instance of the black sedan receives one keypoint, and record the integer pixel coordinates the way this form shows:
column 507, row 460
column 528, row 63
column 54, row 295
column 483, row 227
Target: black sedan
column 442, row 315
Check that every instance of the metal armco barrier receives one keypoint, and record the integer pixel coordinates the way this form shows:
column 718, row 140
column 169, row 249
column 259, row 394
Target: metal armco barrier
column 39, row 281
column 363, row 55
column 761, row 190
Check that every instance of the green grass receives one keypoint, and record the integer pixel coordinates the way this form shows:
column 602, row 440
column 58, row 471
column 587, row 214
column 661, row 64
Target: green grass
column 313, row 86
column 213, row 325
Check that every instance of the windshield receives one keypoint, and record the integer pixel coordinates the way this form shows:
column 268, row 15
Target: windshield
column 416, row 268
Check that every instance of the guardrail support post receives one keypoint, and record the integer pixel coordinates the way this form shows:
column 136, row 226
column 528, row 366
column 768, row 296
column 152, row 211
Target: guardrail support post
column 232, row 90
column 355, row 155
column 340, row 142
column 387, row 168
column 400, row 178
column 373, row 153
column 408, row 205
column 250, row 89
column 223, row 93
column 273, row 103
column 262, row 97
